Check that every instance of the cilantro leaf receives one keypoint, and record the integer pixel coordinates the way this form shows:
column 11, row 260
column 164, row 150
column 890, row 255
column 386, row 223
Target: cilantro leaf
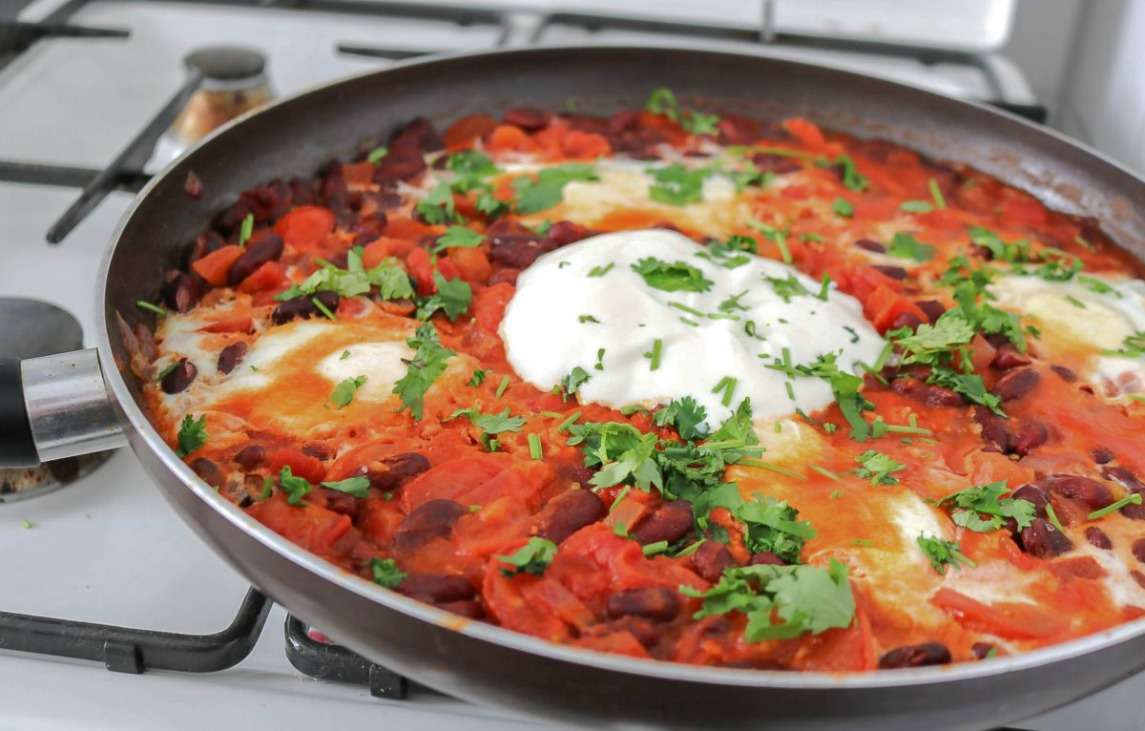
column 971, row 504
column 1018, row 251
column 687, row 416
column 575, row 379
column 471, row 163
column 845, row 388
column 677, row 185
column 906, row 246
column 452, row 297
column 192, row 434
column 788, row 288
column 843, row 207
column 771, row 525
column 852, row 178
column 671, row 277
column 358, row 487
column 427, row 364
column 437, row 207
column 699, row 123
column 457, row 237
column 386, row 572
column 296, row 488
column 491, row 423
column 390, row 279
column 943, row 553
column 663, row 101
column 532, row 558
column 547, row 188
column 343, row 393
column 878, row 467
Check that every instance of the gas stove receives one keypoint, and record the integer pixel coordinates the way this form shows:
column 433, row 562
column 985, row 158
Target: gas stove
column 89, row 88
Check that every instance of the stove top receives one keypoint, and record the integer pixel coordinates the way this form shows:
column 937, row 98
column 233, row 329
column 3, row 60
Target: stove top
column 107, row 549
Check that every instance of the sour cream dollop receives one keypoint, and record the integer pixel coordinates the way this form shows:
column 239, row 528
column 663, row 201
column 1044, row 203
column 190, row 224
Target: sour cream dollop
column 585, row 306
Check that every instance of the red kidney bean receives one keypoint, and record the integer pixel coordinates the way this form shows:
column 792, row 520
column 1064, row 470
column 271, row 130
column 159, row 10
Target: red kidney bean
column 1035, row 495
column 1102, row 456
column 1066, row 374
column 1138, row 549
column 644, row 631
column 399, row 165
column 1098, row 538
column 231, row 356
column 657, row 603
column 981, row 650
column 206, row 242
column 670, row 522
column 302, row 191
column 734, row 129
column 777, row 164
column 624, row 121
column 871, row 245
column 398, row 469
column 995, row 429
column 1131, row 483
column 891, row 271
column 257, row 253
column 1031, row 435
column 1042, row 540
column 529, row 119
column 563, row 233
column 208, row 472
column 468, row 608
column 1089, row 491
column 1016, row 383
column 318, row 451
column 182, row 291
column 915, row 656
column 250, row 457
column 1007, row 357
column 906, row 319
column 515, row 250
column 587, row 123
column 418, row 131
column 766, row 558
column 932, row 308
column 710, row 560
column 925, row 393
column 569, row 512
column 437, row 587
column 431, row 519
column 232, row 217
column 292, row 309
column 192, row 186
column 179, row 377
column 1138, row 577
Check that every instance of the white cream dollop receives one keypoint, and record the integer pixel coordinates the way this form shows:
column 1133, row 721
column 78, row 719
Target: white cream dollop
column 561, row 318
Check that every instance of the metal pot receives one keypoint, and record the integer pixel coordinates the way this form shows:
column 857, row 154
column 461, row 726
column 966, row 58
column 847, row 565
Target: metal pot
column 62, row 405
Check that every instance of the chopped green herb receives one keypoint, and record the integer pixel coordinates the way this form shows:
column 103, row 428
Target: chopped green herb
column 457, row 237
column 574, row 380
column 504, row 384
column 824, row 471
column 943, row 553
column 974, row 502
column 532, row 558
column 1132, row 347
column 663, row 101
column 322, row 308
column 776, row 236
column 788, row 288
column 600, row 271
column 878, row 468
column 452, row 297
column 437, row 207
column 343, row 393
column 155, row 309
column 1075, row 302
column 386, row 572
column 671, row 277
column 358, row 487
column 916, row 207
column 296, row 488
column 376, row 154
column 587, row 318
column 655, row 549
column 677, row 185
column 192, row 434
column 936, row 194
column 687, row 416
column 477, row 378
column 423, row 369
column 246, row 229
column 1133, row 498
column 535, row 450
column 535, row 194
column 653, row 355
column 843, row 207
column 852, row 178
column 599, row 359
column 727, row 385
column 906, row 246
column 27, row 524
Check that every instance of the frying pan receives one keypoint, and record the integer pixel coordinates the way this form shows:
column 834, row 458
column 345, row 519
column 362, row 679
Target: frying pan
column 62, row 405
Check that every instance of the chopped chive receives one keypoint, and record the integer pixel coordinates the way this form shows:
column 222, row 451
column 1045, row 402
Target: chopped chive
column 1075, row 301
column 1080, row 241
column 377, row 154
column 535, row 450
column 600, row 271
column 770, row 468
column 567, row 423
column 653, row 355
column 790, row 390
column 551, row 414
column 728, row 385
column 1054, row 518
column 689, row 550
column 27, row 524
column 824, row 287
column 936, row 193
column 684, row 308
column 322, row 308
column 903, row 429
column 164, row 373
column 836, row 494
column 619, row 498
column 781, row 243
column 824, row 471
column 1133, row 498
column 502, row 386
column 686, row 321
column 653, row 549
column 599, row 359
column 247, row 229
column 587, row 318
column 151, row 308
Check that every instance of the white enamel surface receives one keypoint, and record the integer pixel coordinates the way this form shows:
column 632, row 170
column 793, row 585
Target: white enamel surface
column 380, row 362
column 545, row 340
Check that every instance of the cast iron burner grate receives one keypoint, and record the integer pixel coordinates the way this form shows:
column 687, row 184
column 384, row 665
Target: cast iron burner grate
column 134, row 651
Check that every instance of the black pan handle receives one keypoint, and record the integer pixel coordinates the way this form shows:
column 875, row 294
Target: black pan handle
column 17, row 446
column 54, row 407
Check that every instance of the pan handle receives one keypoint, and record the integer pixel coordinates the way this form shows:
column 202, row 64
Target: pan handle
column 54, row 407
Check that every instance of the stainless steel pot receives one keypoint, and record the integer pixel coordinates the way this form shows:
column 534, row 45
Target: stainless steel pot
column 79, row 402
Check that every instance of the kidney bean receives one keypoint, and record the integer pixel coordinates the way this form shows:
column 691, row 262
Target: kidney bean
column 569, row 512
column 318, row 451
column 420, row 132
column 1031, row 435
column 777, row 164
column 179, row 377
column 563, row 233
column 1007, row 357
column 291, row 309
column 1089, row 491
column 231, row 356
column 766, row 558
column 906, row 319
column 932, row 308
column 432, row 519
column 1102, row 456
column 515, row 250
column 399, row 165
column 871, row 245
column 891, row 271
column 1066, row 374
column 1042, row 540
column 657, row 603
column 915, row 656
column 182, row 291
column 268, row 248
column 208, row 472
column 1098, row 539
column 1131, row 483
column 250, row 457
column 206, row 242
column 670, row 522
column 644, row 631
column 468, row 608
column 437, row 587
column 995, row 429
column 710, row 560
column 1035, row 495
column 1016, row 383
column 399, row 468
column 928, row 394
column 232, row 217
column 735, row 129
column 529, row 119
column 1138, row 577
column 981, row 650
column 1138, row 549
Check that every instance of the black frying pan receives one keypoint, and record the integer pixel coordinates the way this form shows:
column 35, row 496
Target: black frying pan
column 485, row 663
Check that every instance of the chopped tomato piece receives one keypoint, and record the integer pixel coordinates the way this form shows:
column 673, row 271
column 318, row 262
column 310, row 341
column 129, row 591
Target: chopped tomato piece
column 236, row 324
column 305, row 227
column 215, row 266
column 421, row 269
column 472, row 265
column 509, row 138
column 300, row 463
column 585, row 145
column 1008, row 619
column 267, row 276
column 464, row 131
column 378, row 251
column 489, row 305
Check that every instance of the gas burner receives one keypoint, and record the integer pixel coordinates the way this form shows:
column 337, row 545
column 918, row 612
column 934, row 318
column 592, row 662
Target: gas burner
column 31, row 329
column 234, row 81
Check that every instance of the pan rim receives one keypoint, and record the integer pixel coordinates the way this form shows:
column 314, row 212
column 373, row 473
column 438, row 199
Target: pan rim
column 139, row 425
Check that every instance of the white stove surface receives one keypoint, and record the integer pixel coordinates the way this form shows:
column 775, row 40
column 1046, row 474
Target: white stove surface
column 108, row 549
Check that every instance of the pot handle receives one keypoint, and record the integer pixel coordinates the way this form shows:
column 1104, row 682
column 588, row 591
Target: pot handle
column 54, row 407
